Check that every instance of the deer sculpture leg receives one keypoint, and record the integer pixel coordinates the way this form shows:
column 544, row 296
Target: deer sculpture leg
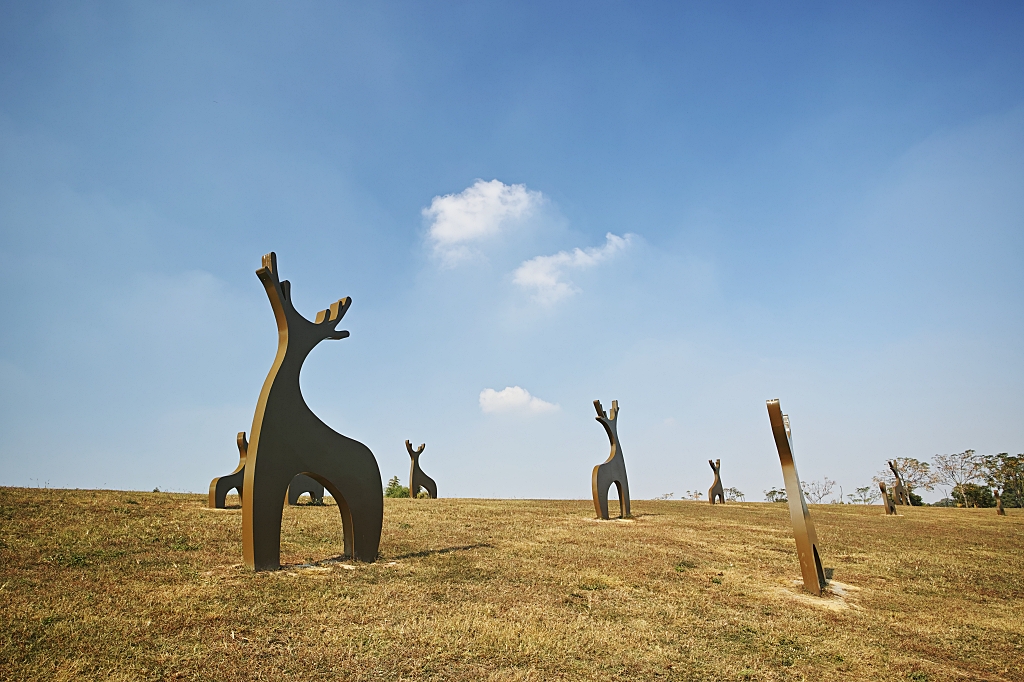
column 288, row 439
column 803, row 527
column 716, row 490
column 220, row 486
column 612, row 470
column 418, row 479
column 890, row 508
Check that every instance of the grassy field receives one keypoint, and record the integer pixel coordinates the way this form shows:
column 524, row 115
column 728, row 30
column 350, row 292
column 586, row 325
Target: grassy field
column 125, row 585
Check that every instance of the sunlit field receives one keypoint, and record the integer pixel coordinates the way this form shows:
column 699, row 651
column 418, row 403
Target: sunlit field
column 125, row 585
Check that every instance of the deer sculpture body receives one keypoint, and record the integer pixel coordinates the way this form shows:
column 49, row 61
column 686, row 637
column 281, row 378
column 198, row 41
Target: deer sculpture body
column 999, row 503
column 612, row 470
column 716, row 490
column 890, row 508
column 418, row 479
column 222, row 485
column 803, row 527
column 900, row 492
column 289, row 439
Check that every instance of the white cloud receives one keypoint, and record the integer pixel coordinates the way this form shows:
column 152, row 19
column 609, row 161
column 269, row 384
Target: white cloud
column 475, row 213
column 546, row 275
column 513, row 399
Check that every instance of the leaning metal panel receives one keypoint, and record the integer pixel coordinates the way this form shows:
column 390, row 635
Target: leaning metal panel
column 288, row 439
column 613, row 469
column 803, row 527
column 716, row 490
column 890, row 508
column 418, row 479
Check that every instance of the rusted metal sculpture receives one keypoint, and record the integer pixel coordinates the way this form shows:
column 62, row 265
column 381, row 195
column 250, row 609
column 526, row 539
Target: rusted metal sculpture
column 999, row 502
column 900, row 491
column 716, row 488
column 418, row 479
column 803, row 527
column 613, row 469
column 222, row 485
column 288, row 439
column 890, row 508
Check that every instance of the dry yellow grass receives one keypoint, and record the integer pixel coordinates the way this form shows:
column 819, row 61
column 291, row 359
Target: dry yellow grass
column 123, row 585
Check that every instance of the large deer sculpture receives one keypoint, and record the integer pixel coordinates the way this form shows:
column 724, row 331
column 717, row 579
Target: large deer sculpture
column 612, row 470
column 418, row 479
column 900, row 492
column 716, row 490
column 222, row 485
column 288, row 439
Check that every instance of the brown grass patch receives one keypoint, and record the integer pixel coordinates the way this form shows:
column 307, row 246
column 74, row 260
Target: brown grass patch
column 125, row 586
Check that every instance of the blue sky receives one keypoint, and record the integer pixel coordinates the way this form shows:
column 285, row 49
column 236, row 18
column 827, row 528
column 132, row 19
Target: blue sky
column 690, row 208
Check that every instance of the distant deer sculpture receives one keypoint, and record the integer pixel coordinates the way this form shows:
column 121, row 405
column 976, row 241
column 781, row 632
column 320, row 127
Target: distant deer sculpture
column 803, row 527
column 613, row 469
column 418, row 479
column 222, row 485
column 900, row 492
column 890, row 508
column 716, row 488
column 288, row 439
column 999, row 502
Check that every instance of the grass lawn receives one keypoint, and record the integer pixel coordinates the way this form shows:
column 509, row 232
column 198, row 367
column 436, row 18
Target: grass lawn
column 126, row 585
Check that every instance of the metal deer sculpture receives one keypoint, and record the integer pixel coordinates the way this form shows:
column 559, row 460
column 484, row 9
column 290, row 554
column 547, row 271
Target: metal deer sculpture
column 999, row 502
column 900, row 491
column 222, row 485
column 288, row 439
column 613, row 469
column 890, row 508
column 418, row 479
column 803, row 527
column 716, row 490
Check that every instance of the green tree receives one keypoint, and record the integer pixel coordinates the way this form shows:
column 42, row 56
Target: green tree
column 775, row 495
column 395, row 488
column 974, row 495
column 865, row 495
column 1005, row 473
column 958, row 470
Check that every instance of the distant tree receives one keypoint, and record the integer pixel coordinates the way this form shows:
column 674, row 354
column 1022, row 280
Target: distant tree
column 775, row 495
column 974, row 495
column 865, row 495
column 917, row 475
column 816, row 491
column 666, row 496
column 692, row 495
column 396, row 489
column 1006, row 473
column 957, row 470
column 734, row 495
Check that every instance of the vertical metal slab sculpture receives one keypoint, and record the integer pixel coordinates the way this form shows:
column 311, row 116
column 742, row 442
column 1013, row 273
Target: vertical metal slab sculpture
column 890, row 508
column 900, row 491
column 418, row 479
column 803, row 527
column 288, row 439
column 613, row 469
column 304, row 484
column 716, row 491
column 999, row 503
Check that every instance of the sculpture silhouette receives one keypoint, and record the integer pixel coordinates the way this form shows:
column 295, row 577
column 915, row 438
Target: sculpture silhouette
column 613, row 469
column 803, row 527
column 900, row 492
column 288, row 439
column 890, row 508
column 221, row 486
column 716, row 487
column 418, row 479
column 999, row 502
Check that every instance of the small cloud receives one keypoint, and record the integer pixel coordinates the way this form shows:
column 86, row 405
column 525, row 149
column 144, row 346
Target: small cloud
column 546, row 275
column 481, row 210
column 513, row 399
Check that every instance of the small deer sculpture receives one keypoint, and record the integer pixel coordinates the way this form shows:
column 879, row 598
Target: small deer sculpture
column 900, row 492
column 890, row 508
column 716, row 488
column 289, row 439
column 613, row 469
column 222, row 485
column 418, row 479
column 999, row 502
